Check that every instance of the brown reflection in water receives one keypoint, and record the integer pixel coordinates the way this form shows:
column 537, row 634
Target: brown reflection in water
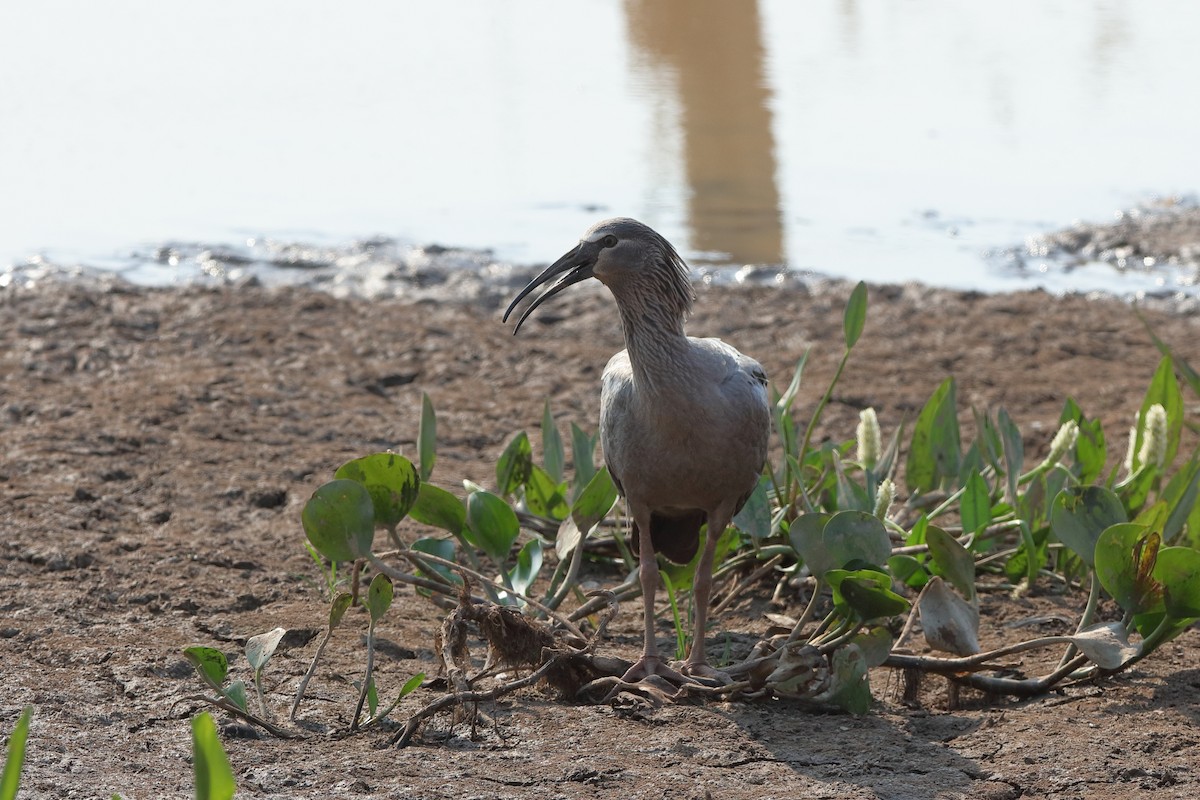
column 713, row 53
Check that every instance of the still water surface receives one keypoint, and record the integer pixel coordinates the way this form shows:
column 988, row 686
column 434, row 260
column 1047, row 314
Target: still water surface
column 888, row 140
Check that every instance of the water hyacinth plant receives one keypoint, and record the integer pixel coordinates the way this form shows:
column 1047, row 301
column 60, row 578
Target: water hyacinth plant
column 879, row 539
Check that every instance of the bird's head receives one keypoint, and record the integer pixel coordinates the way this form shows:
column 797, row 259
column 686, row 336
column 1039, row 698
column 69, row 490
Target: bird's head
column 631, row 258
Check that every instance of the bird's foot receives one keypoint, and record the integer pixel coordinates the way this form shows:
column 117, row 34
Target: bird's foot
column 647, row 666
column 704, row 675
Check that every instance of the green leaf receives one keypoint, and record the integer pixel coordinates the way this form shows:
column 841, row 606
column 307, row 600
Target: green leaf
column 850, row 688
column 553, row 454
column 1189, row 374
column 1180, row 496
column 1178, row 570
column 338, row 608
column 515, row 465
column 1079, row 514
column 1125, row 559
column 544, row 497
column 439, row 508
column 953, row 560
column 876, row 645
column 529, row 564
column 1014, row 453
column 1090, row 449
column 866, row 592
column 379, row 596
column 492, row 525
column 852, row 536
column 11, row 779
column 590, row 507
column 855, row 315
column 339, row 520
column 583, row 451
column 806, row 536
column 427, row 437
column 236, row 694
column 412, row 684
column 784, row 403
column 754, row 518
column 372, row 697
column 442, row 548
column 976, row 504
column 260, row 648
column 596, row 500
column 210, row 664
column 934, row 452
column 391, row 480
column 908, row 571
column 214, row 778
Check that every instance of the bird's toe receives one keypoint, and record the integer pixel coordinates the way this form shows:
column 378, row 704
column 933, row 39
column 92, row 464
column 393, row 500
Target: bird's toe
column 705, row 675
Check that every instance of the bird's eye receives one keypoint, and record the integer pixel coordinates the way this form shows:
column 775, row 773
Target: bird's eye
column 609, row 241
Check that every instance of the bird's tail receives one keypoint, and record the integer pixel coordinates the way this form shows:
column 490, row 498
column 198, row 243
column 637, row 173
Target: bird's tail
column 676, row 536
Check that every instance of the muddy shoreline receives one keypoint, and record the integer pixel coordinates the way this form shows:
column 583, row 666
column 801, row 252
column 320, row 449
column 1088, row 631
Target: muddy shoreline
column 159, row 444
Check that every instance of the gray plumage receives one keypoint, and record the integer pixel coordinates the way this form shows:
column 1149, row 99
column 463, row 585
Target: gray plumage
column 684, row 422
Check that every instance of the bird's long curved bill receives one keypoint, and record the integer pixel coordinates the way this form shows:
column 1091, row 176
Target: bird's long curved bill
column 573, row 267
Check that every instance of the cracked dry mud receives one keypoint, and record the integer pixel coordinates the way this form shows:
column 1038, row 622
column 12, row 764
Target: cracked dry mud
column 158, row 446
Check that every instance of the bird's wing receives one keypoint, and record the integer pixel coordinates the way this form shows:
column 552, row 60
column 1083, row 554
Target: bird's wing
column 616, row 398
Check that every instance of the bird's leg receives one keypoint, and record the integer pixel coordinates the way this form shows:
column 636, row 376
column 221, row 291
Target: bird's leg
column 651, row 662
column 696, row 665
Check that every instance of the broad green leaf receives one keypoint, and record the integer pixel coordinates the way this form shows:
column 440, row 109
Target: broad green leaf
column 214, row 778
column 1090, row 450
column 1014, row 452
column 876, row 645
column 855, row 315
column 260, row 648
column 529, row 564
column 1178, row 570
column 442, row 548
column 11, row 779
column 236, row 694
column 544, row 497
column 866, row 592
column 1106, row 644
column 514, row 466
column 976, row 504
column 1180, row 496
column 851, row 496
column 339, row 520
column 391, row 480
column 412, row 684
column 1125, row 558
column 851, row 536
column 953, row 561
column 934, row 452
column 754, row 518
column 908, row 571
column 491, row 525
column 379, row 596
column 784, row 403
column 806, row 536
column 553, row 454
column 595, row 501
column 210, row 663
column 950, row 623
column 1079, row 514
column 439, row 508
column 583, row 451
column 850, row 688
column 427, row 437
column 338, row 608
column 1153, row 516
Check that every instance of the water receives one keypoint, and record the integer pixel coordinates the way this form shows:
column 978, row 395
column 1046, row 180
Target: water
column 881, row 140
